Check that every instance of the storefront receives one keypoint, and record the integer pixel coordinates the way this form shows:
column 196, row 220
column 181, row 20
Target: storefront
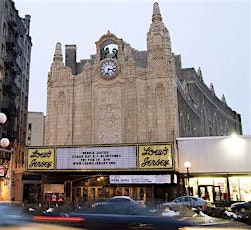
column 32, row 187
column 219, row 188
column 103, row 187
column 141, row 187
column 220, row 166
column 91, row 173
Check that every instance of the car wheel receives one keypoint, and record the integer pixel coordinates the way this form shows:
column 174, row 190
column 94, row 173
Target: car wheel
column 167, row 208
column 242, row 210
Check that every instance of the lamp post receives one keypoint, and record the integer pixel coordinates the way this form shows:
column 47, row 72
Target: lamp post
column 187, row 165
column 4, row 142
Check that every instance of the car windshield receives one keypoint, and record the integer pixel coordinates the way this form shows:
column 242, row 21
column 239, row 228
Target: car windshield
column 119, row 200
column 180, row 199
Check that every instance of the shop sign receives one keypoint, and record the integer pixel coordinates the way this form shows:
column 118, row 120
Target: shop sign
column 40, row 158
column 101, row 158
column 2, row 171
column 155, row 156
column 140, row 179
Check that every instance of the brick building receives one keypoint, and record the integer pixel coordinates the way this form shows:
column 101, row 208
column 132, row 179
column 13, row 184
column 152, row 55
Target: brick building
column 15, row 44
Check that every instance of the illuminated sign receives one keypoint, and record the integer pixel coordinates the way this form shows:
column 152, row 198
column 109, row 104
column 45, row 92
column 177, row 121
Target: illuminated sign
column 140, row 179
column 2, row 170
column 101, row 158
column 134, row 157
column 155, row 156
column 40, row 158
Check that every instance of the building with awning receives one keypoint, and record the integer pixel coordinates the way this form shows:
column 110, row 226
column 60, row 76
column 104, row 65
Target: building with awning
column 219, row 165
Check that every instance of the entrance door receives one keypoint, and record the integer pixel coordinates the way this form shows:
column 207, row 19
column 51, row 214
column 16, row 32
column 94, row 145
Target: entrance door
column 32, row 193
column 217, row 193
column 134, row 192
column 210, row 192
column 206, row 192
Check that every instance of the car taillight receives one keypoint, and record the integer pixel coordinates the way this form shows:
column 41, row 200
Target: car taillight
column 58, row 218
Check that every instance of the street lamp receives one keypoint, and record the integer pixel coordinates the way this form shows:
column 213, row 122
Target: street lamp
column 3, row 118
column 4, row 142
column 187, row 165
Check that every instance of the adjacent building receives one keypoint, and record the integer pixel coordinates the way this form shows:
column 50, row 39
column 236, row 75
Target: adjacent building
column 219, row 166
column 35, row 129
column 15, row 45
column 113, row 120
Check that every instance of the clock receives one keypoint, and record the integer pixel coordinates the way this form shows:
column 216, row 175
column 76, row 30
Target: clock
column 108, row 68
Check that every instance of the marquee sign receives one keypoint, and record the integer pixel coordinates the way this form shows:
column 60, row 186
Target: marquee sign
column 107, row 158
column 140, row 179
column 40, row 158
column 155, row 156
column 123, row 157
column 2, row 170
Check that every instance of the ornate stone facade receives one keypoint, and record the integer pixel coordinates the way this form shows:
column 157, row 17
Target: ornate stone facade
column 121, row 95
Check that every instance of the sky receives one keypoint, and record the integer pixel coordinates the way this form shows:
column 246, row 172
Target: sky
column 213, row 35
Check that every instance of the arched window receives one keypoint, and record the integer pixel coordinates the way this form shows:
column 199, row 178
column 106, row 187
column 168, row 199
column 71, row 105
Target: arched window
column 1, row 72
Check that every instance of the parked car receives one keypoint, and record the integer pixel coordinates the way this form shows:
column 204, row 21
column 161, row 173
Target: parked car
column 123, row 200
column 240, row 211
column 241, row 207
column 188, row 201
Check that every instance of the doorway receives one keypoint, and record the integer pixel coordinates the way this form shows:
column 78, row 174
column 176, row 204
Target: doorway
column 32, row 193
column 209, row 192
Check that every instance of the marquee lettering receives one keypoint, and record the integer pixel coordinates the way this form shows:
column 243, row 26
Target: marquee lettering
column 148, row 162
column 37, row 154
column 40, row 164
column 158, row 152
column 41, row 159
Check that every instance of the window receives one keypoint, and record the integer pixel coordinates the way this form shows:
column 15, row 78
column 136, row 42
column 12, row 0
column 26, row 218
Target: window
column 4, row 30
column 3, row 51
column 1, row 72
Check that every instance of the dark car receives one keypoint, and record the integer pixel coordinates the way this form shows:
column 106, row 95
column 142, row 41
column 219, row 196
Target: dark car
column 123, row 200
column 123, row 217
column 14, row 216
column 241, row 211
column 241, row 207
column 13, row 213
column 113, row 218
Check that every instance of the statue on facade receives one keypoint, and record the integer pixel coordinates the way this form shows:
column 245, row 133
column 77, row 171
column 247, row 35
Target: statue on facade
column 105, row 53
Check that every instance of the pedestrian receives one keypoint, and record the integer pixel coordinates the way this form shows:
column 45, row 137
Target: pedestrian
column 206, row 196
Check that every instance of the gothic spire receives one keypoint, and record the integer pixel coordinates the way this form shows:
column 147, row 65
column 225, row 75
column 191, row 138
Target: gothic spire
column 158, row 39
column 58, row 57
column 156, row 13
column 223, row 99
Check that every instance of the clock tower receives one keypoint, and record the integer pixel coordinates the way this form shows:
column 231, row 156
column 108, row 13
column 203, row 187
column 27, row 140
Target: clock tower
column 120, row 95
column 109, row 53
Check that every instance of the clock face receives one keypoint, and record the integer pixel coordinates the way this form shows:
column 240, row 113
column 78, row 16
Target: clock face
column 108, row 68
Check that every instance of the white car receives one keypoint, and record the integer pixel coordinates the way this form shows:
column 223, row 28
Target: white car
column 121, row 200
column 189, row 201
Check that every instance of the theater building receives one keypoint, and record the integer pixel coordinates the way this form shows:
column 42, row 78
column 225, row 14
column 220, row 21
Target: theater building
column 112, row 120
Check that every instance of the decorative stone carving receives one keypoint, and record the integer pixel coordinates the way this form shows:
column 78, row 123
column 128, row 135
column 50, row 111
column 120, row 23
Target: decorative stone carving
column 109, row 116
column 61, row 98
